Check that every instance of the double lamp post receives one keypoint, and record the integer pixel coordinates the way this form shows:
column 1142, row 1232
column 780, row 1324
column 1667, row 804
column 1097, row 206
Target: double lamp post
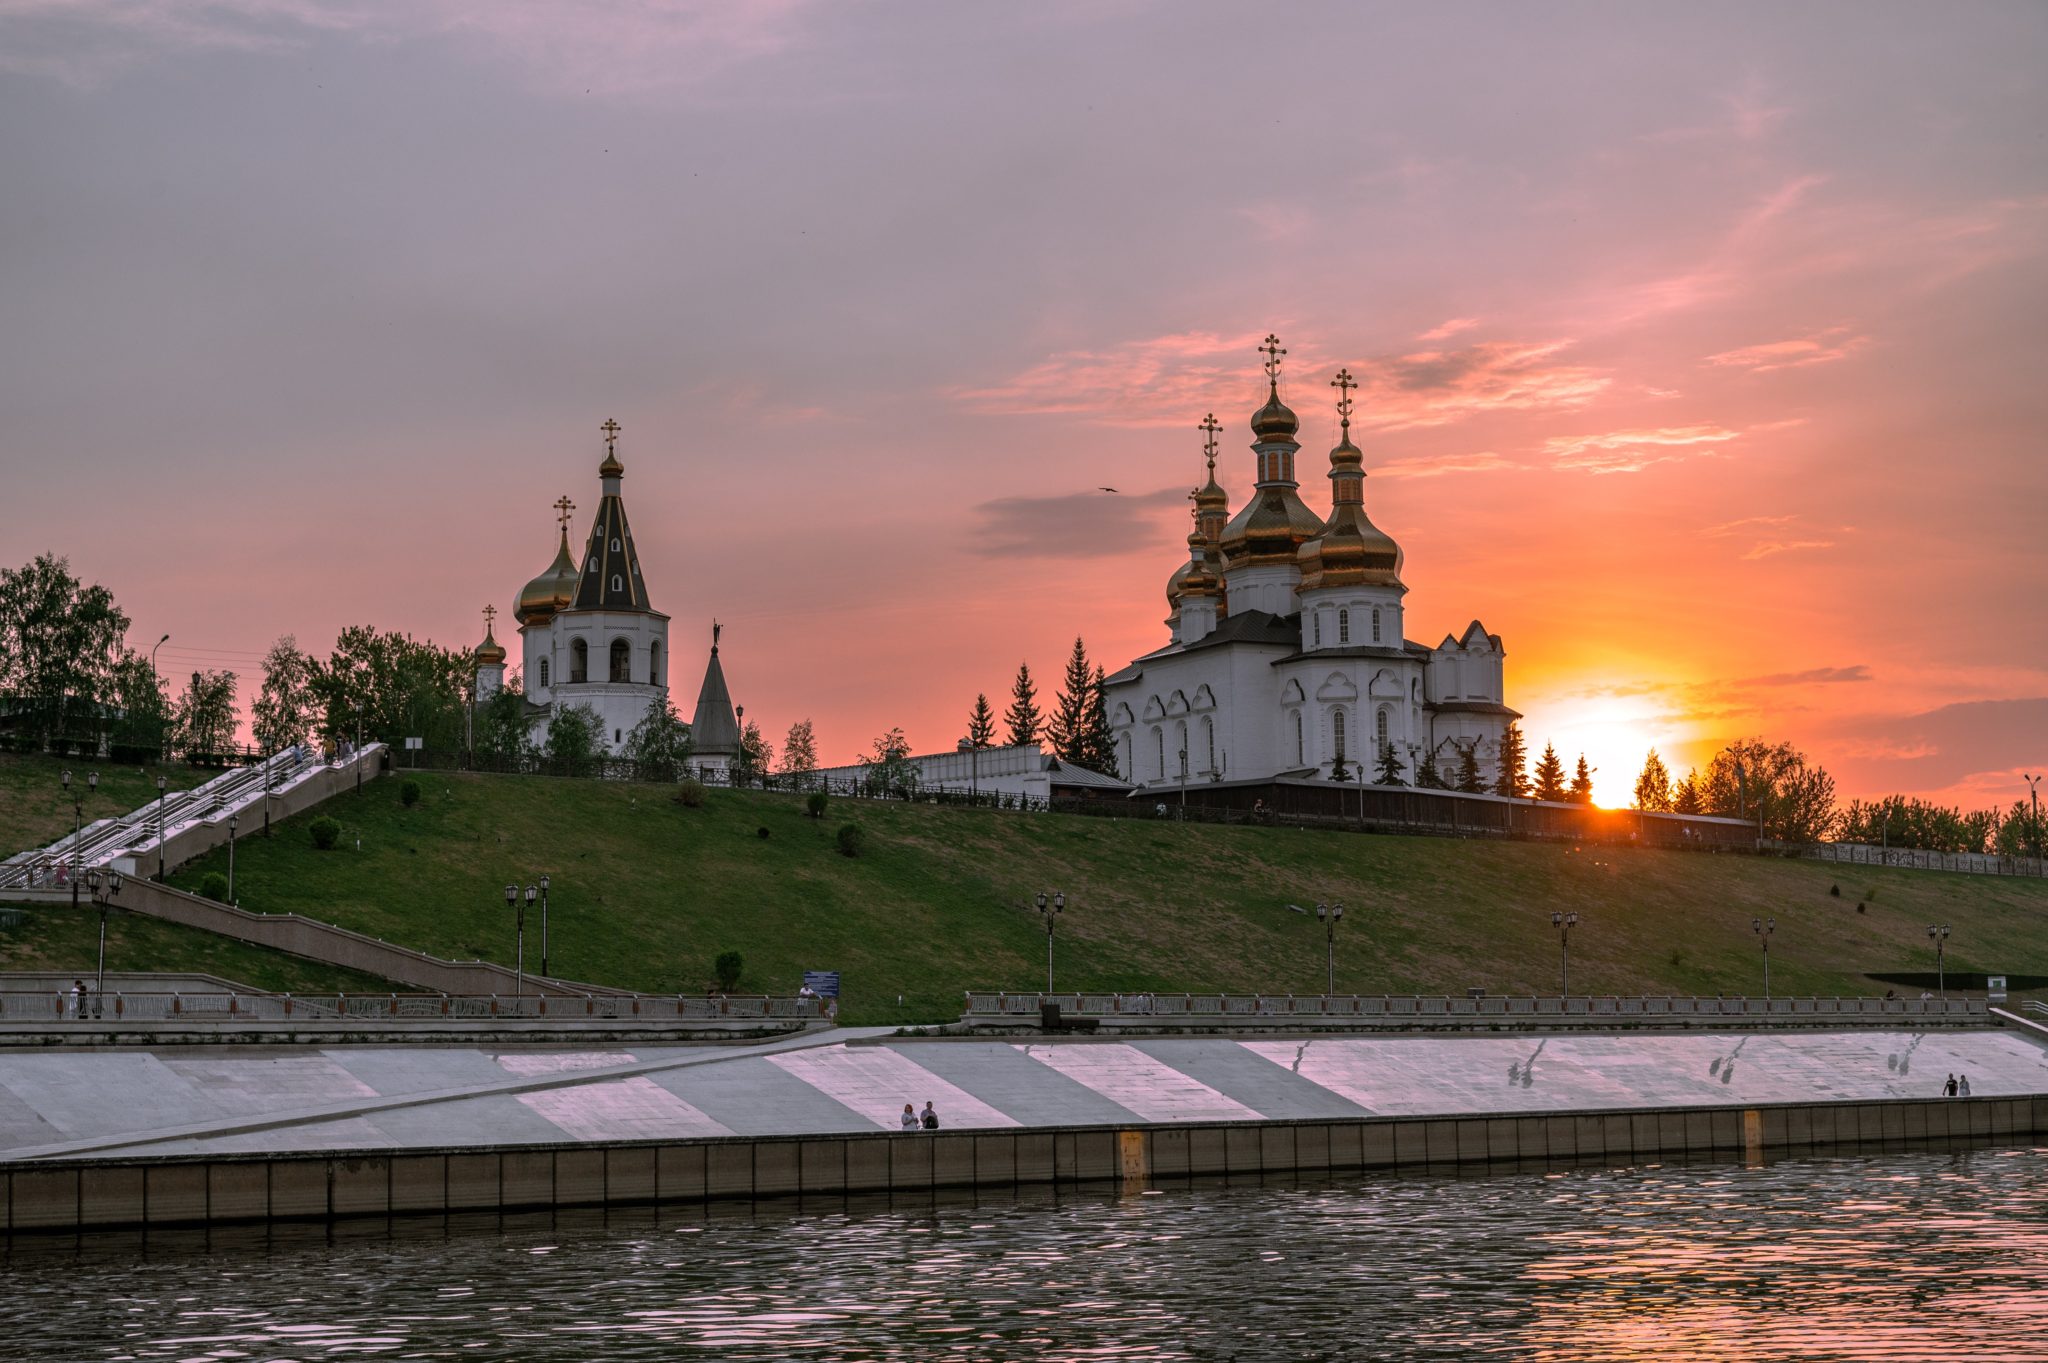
column 520, row 902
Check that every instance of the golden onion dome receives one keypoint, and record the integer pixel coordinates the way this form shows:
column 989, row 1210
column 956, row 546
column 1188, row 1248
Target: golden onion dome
column 1271, row 527
column 611, row 467
column 1176, row 586
column 1201, row 575
column 490, row 651
column 1349, row 550
column 552, row 591
column 1275, row 420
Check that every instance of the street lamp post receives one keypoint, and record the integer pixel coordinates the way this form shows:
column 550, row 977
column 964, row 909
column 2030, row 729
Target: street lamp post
column 515, row 903
column 1050, row 910
column 356, row 756
column 106, row 888
column 157, row 699
column 1329, row 915
column 1763, row 928
column 160, row 828
column 544, row 928
column 1564, row 923
column 233, row 821
column 1183, row 783
column 92, row 782
column 1938, row 934
column 2034, row 793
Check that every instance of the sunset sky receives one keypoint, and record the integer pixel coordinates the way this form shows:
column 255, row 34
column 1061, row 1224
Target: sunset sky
column 1702, row 346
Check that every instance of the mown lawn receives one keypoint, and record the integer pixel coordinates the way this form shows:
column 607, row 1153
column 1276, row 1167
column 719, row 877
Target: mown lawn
column 34, row 809
column 58, row 937
column 646, row 893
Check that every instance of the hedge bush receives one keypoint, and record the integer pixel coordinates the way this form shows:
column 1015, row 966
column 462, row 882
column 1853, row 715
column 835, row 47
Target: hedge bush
column 213, row 885
column 326, row 832
column 409, row 794
column 851, row 840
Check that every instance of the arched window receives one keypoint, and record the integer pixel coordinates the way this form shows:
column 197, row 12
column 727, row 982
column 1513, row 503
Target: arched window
column 1124, row 769
column 1317, row 617
column 1380, row 730
column 1375, row 624
column 1159, row 737
column 543, row 672
column 618, row 583
column 1300, row 746
column 654, row 663
column 622, row 661
column 579, row 661
column 1209, row 737
column 1344, row 627
column 1337, row 731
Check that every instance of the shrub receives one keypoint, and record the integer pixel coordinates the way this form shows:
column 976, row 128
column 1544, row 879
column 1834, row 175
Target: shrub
column 814, row 804
column 851, row 840
column 727, row 968
column 409, row 794
column 690, row 794
column 213, row 885
column 760, row 832
column 326, row 832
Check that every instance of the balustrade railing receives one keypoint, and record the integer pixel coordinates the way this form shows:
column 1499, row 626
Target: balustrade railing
column 65, row 1006
column 1253, row 1007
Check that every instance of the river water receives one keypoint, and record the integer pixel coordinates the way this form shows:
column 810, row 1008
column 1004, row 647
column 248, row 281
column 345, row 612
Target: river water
column 1899, row 1256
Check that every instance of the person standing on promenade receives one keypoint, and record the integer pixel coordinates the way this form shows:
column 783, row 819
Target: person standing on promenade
column 931, row 1116
column 909, row 1117
column 78, row 998
column 1948, row 1090
column 1963, row 1087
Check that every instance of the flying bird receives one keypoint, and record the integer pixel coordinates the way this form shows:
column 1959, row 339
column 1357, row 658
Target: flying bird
column 1105, row 489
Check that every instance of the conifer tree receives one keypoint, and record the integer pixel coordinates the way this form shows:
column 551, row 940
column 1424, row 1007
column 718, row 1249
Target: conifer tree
column 1023, row 717
column 1068, row 729
column 1582, row 783
column 1653, row 787
column 1427, row 775
column 1101, row 746
column 1391, row 766
column 1549, row 775
column 1511, row 779
column 1468, row 770
column 981, row 723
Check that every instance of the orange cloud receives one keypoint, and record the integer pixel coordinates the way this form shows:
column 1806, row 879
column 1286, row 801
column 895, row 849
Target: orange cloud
column 1443, row 331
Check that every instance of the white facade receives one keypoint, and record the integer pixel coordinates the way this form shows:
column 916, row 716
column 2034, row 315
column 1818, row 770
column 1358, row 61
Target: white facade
column 1289, row 655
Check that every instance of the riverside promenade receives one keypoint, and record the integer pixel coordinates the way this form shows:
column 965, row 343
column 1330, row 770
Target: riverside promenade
column 169, row 1135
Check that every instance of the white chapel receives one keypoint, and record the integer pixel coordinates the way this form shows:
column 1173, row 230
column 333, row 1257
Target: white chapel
column 1288, row 655
column 589, row 636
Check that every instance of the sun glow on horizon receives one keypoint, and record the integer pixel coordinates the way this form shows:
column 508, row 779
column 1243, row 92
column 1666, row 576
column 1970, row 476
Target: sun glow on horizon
column 1614, row 732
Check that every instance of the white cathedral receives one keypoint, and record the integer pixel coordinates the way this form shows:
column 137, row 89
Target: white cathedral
column 589, row 636
column 1288, row 656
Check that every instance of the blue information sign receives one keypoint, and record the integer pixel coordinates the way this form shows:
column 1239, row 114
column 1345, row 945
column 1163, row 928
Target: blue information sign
column 823, row 982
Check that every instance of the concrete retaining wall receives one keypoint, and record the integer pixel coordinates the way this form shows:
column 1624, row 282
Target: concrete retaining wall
column 66, row 1195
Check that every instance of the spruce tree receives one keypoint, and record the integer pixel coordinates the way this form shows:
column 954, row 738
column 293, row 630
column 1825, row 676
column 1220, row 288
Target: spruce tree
column 1427, row 774
column 1511, row 779
column 1023, row 716
column 1391, row 766
column 1582, row 783
column 1068, row 730
column 1549, row 775
column 1100, row 749
column 1468, row 770
column 981, row 723
column 1653, row 787
column 1685, row 796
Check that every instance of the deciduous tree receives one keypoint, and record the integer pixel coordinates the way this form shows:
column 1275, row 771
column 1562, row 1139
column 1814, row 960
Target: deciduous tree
column 800, row 749
column 204, row 721
column 283, row 711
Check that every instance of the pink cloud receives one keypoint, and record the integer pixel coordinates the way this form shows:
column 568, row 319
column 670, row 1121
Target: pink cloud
column 1634, row 451
column 1823, row 347
column 1443, row 331
column 1437, row 466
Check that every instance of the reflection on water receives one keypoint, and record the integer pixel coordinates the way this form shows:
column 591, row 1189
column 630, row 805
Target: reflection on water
column 1898, row 1256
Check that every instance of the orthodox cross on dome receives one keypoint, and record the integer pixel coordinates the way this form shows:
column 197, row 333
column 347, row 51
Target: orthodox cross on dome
column 1344, row 383
column 1210, row 424
column 1273, row 352
column 611, row 431
column 490, row 614
column 562, row 510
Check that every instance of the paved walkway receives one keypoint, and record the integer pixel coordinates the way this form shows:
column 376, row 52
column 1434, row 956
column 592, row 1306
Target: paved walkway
column 219, row 1100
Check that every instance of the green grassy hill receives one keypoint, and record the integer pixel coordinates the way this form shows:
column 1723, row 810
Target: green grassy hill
column 646, row 893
